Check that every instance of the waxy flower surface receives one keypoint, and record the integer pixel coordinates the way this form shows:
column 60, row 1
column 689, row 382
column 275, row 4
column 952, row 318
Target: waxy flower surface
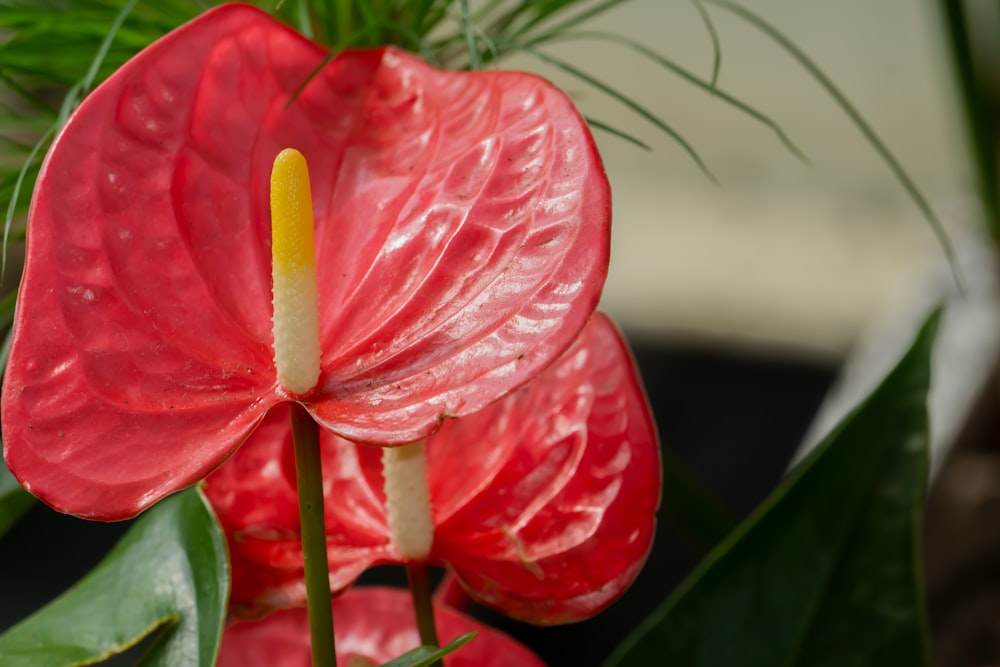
column 372, row 622
column 543, row 503
column 462, row 230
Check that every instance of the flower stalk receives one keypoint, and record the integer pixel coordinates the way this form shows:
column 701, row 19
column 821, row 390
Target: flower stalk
column 309, row 479
column 419, row 579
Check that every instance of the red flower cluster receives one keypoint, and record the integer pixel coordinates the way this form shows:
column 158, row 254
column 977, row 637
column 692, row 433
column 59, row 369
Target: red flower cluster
column 544, row 502
column 462, row 233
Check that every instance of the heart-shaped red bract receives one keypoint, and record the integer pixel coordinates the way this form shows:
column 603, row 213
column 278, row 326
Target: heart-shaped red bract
column 462, row 230
column 544, row 503
column 374, row 622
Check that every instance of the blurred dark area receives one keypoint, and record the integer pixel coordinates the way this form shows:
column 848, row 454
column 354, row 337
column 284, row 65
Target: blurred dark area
column 962, row 544
column 733, row 419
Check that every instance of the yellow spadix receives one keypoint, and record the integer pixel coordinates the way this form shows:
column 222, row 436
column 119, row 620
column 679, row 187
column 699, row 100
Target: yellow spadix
column 293, row 273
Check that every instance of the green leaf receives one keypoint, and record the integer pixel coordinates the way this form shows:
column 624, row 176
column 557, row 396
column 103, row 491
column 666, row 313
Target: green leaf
column 170, row 571
column 14, row 501
column 826, row 571
column 50, row 46
column 422, row 656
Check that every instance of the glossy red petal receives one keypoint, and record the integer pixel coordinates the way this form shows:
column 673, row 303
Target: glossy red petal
column 254, row 497
column 559, row 527
column 544, row 502
column 462, row 241
column 376, row 623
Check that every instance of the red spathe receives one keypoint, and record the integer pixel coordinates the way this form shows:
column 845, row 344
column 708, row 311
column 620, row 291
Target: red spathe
column 373, row 622
column 462, row 230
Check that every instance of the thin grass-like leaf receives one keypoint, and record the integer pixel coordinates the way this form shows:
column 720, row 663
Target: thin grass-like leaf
column 302, row 19
column 535, row 14
column 371, row 20
column 102, row 52
column 501, row 24
column 859, row 122
column 560, row 28
column 621, row 134
column 420, row 11
column 422, row 48
column 706, row 19
column 486, row 9
column 623, row 99
column 73, row 97
column 693, row 79
column 29, row 162
column 428, row 656
column 436, row 12
column 469, row 31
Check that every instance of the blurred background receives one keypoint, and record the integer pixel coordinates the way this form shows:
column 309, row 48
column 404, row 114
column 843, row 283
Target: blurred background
column 783, row 258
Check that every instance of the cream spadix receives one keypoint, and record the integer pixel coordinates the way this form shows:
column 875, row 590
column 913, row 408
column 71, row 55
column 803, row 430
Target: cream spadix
column 407, row 500
column 293, row 273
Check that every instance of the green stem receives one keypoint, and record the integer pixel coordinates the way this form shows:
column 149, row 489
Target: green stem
column 420, row 590
column 309, row 479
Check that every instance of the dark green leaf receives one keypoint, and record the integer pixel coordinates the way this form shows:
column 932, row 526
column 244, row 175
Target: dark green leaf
column 422, row 656
column 14, row 501
column 826, row 571
column 170, row 571
column 7, row 304
column 972, row 46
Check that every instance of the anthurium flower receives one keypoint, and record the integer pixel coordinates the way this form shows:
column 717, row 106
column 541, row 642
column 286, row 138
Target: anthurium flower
column 370, row 622
column 543, row 503
column 462, row 230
